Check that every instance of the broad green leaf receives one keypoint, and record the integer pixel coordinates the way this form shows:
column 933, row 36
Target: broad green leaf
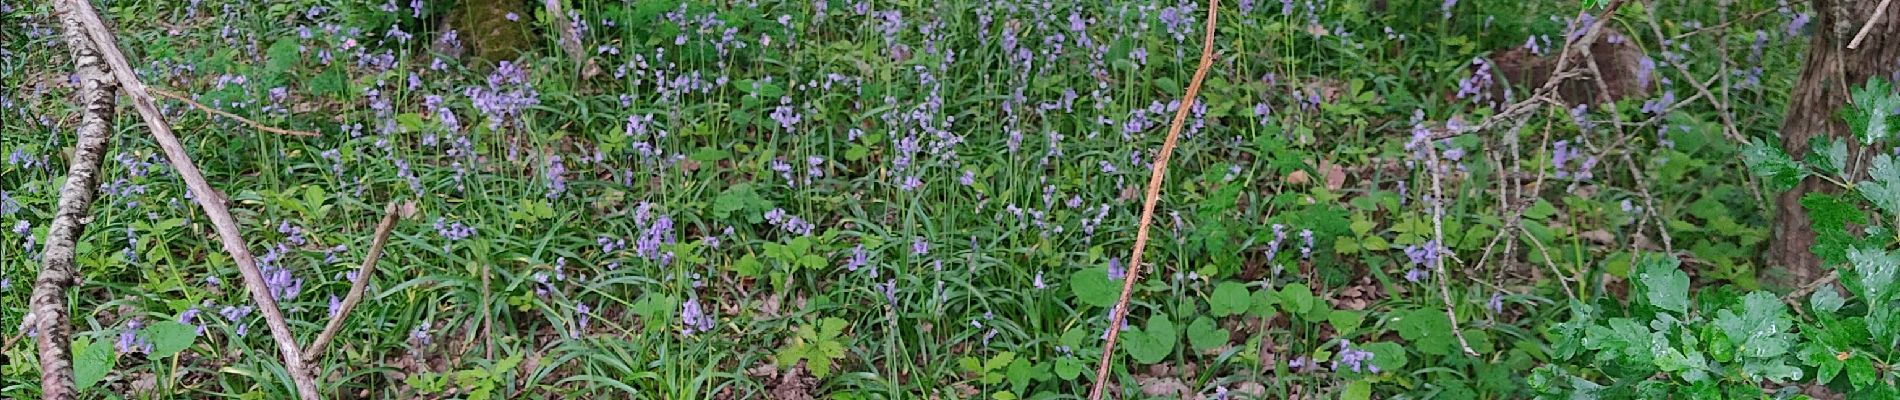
column 1875, row 270
column 92, row 362
column 1860, row 371
column 169, row 337
column 1667, row 287
column 1428, row 330
column 1296, row 298
column 1357, row 390
column 1760, row 331
column 830, row 328
column 1229, row 298
column 1153, row 343
column 1093, row 287
column 1826, row 300
column 1872, row 115
column 1346, row 321
column 1205, row 335
column 1068, row 368
column 1830, row 153
column 1884, row 189
column 1388, row 356
column 1770, row 162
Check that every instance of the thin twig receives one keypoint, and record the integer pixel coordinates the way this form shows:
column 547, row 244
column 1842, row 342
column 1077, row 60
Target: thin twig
column 357, row 287
column 1813, row 286
column 222, row 113
column 1879, row 12
column 1148, row 202
column 202, row 193
column 1438, row 233
column 57, row 273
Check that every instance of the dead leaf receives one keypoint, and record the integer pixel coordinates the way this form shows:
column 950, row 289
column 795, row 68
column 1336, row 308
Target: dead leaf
column 1318, row 30
column 1298, row 177
column 1598, row 236
column 1165, row 387
column 1335, row 176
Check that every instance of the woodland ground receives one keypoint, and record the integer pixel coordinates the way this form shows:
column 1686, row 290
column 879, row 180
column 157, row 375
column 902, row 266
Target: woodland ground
column 908, row 199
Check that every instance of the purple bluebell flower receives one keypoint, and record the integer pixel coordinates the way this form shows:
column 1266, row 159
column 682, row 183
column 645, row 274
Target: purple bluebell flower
column 694, row 317
column 421, row 334
column 1115, row 270
column 1355, row 360
column 1306, row 249
column 858, row 258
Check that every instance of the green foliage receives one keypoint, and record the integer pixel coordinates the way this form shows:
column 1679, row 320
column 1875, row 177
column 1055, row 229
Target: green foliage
column 818, row 346
column 473, row 383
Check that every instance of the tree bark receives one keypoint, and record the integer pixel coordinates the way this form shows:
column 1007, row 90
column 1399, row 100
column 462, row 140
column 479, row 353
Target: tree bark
column 57, row 272
column 1830, row 72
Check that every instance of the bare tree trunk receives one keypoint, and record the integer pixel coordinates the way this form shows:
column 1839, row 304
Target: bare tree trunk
column 57, row 273
column 1830, row 72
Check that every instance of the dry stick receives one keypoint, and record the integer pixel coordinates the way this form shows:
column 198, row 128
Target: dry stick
column 57, row 273
column 315, row 351
column 1438, row 230
column 222, row 113
column 1148, row 203
column 1879, row 11
column 202, row 193
column 570, row 41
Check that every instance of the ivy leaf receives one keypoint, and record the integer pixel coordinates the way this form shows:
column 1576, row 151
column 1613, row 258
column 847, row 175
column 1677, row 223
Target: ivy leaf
column 1205, row 335
column 1668, row 286
column 169, row 337
column 1229, row 298
column 1884, row 190
column 1770, row 162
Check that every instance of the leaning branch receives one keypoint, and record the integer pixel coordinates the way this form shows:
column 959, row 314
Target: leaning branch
column 226, row 114
column 358, row 286
column 201, row 192
column 1148, row 202
column 57, row 273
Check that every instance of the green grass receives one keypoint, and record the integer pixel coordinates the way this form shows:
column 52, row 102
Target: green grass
column 1000, row 305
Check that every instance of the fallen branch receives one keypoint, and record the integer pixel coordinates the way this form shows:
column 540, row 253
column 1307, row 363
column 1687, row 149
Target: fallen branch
column 357, row 287
column 222, row 113
column 57, row 272
column 201, row 192
column 1148, row 203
